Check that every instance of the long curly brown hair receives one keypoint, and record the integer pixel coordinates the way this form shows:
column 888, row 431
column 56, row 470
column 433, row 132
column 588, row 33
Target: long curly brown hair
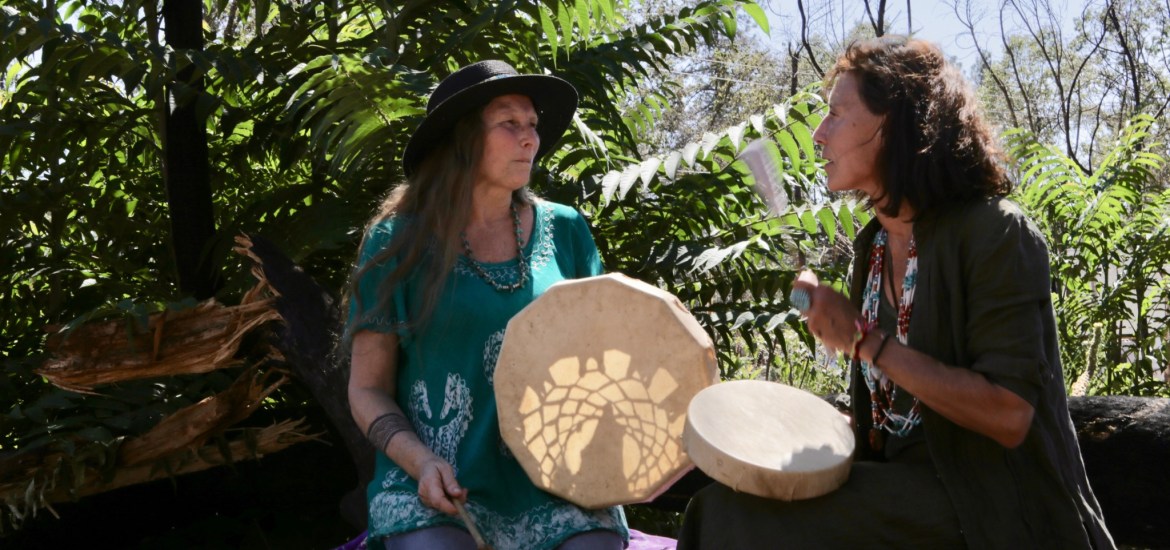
column 939, row 150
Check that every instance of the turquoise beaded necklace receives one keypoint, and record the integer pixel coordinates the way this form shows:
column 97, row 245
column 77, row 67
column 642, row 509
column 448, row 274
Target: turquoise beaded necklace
column 478, row 267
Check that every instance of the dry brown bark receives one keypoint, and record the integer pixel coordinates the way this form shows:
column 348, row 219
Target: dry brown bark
column 191, row 341
column 196, row 340
column 192, row 426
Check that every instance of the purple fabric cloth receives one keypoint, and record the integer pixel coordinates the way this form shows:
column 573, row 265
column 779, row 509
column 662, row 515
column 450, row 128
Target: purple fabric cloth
column 358, row 543
column 642, row 541
column 638, row 541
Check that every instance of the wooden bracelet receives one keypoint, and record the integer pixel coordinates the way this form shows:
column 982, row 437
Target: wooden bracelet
column 881, row 346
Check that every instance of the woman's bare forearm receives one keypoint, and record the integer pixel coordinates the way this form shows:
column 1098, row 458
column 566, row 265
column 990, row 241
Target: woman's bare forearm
column 372, row 383
column 963, row 396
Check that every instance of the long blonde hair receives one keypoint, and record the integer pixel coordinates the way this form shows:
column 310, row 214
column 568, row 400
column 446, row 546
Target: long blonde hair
column 434, row 204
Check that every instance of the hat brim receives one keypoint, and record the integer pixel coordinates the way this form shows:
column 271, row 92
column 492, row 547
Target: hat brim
column 555, row 101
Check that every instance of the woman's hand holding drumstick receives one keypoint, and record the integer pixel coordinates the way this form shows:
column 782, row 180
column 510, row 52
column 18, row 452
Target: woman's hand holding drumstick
column 373, row 379
column 438, row 488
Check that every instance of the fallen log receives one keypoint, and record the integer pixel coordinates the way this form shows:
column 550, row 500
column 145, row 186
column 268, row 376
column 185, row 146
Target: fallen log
column 1125, row 442
column 192, row 426
column 285, row 499
column 200, row 339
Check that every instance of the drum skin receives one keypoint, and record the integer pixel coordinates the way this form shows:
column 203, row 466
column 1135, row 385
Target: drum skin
column 592, row 386
column 769, row 439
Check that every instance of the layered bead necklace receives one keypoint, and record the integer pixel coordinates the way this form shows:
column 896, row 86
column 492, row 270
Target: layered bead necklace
column 882, row 391
column 483, row 274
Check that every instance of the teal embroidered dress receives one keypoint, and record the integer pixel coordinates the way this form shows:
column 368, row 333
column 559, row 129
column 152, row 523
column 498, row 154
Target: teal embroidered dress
column 445, row 388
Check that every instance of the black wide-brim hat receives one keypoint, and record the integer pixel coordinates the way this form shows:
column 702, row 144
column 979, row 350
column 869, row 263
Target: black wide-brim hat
column 475, row 85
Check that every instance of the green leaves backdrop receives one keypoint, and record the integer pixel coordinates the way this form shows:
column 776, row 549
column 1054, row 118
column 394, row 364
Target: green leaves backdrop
column 306, row 106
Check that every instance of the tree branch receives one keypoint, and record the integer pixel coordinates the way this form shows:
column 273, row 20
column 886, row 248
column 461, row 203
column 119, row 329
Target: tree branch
column 909, row 19
column 879, row 25
column 967, row 19
column 804, row 39
column 1127, row 53
column 1033, row 123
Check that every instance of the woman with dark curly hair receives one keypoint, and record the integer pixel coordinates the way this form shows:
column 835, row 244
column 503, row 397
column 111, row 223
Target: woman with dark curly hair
column 958, row 404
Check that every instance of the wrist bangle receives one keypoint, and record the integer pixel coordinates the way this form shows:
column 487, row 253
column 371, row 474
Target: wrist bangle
column 881, row 346
column 385, row 427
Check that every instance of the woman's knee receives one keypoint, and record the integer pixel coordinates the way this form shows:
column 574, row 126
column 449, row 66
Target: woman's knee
column 593, row 540
column 439, row 536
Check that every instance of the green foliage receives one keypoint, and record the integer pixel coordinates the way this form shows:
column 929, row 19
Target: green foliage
column 307, row 108
column 689, row 221
column 1109, row 235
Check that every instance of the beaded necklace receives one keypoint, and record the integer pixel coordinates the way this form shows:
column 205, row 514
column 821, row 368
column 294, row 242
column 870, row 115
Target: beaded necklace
column 523, row 266
column 882, row 391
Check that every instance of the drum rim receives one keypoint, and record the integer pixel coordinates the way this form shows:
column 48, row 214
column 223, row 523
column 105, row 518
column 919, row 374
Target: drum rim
column 688, row 326
column 747, row 475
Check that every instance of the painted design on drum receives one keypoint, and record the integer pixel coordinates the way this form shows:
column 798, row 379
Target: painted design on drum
column 561, row 421
column 452, row 420
column 539, row 525
column 491, row 354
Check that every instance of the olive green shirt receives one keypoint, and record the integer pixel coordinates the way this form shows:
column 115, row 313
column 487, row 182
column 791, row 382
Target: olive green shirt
column 983, row 302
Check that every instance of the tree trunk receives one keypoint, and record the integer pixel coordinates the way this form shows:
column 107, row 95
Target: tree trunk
column 307, row 338
column 185, row 163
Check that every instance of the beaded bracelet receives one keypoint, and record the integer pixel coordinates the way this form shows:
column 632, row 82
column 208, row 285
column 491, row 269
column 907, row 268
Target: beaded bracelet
column 863, row 330
column 881, row 346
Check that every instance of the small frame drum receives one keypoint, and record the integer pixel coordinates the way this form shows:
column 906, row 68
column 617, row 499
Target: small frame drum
column 592, row 387
column 769, row 439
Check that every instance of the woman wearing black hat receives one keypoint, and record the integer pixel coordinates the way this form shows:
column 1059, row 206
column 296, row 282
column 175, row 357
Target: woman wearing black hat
column 451, row 256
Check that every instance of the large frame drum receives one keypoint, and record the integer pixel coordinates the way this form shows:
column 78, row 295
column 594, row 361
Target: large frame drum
column 592, row 387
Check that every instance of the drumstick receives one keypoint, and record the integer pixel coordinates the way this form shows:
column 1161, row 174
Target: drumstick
column 480, row 544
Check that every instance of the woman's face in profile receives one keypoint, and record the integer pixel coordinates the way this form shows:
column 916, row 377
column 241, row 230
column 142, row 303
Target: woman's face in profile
column 850, row 140
column 510, row 142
